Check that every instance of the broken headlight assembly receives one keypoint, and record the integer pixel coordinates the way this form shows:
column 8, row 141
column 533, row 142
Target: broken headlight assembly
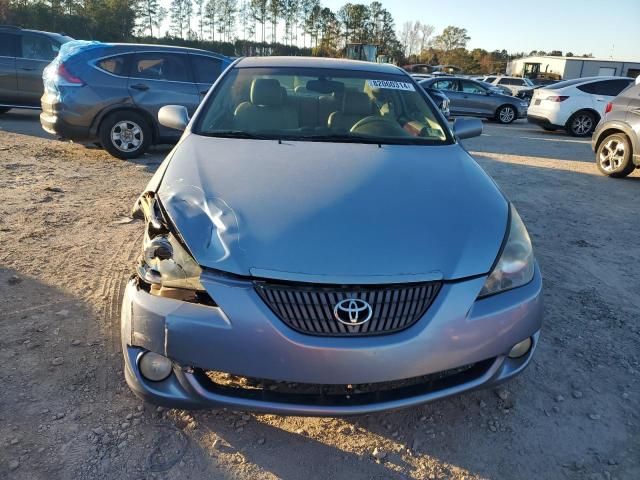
column 165, row 264
column 516, row 265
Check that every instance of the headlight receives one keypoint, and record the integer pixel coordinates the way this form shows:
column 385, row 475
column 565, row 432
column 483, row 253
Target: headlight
column 164, row 261
column 516, row 264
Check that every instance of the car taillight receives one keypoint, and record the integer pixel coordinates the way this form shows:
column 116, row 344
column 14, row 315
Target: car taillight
column 608, row 108
column 67, row 78
column 557, row 98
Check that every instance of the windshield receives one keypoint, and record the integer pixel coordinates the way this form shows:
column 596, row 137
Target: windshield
column 317, row 104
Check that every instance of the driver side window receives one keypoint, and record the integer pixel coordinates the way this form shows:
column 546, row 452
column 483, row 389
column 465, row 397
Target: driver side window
column 450, row 85
column 471, row 87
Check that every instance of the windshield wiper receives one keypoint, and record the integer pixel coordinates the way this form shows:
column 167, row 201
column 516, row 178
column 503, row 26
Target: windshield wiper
column 338, row 138
column 237, row 134
column 346, row 138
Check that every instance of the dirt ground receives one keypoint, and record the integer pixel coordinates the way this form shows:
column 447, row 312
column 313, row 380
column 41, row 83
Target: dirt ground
column 67, row 247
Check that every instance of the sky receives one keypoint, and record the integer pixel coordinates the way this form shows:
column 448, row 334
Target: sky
column 605, row 28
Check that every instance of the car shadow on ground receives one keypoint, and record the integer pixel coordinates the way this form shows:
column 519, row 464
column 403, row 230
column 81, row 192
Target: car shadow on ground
column 27, row 122
column 526, row 143
column 24, row 122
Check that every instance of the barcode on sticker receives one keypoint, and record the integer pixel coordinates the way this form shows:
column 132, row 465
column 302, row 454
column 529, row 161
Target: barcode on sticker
column 391, row 84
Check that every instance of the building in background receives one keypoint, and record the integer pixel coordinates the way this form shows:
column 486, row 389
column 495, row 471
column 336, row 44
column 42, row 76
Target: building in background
column 567, row 68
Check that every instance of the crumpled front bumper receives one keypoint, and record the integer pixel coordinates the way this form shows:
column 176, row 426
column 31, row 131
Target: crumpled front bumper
column 244, row 337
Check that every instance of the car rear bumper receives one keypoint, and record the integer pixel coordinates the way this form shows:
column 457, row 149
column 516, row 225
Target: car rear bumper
column 57, row 120
column 244, row 338
column 53, row 124
column 542, row 121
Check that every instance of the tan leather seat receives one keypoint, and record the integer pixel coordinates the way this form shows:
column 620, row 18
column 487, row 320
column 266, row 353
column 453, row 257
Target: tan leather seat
column 267, row 109
column 355, row 107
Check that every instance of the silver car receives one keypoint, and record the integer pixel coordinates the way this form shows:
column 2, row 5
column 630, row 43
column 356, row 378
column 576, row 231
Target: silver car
column 616, row 139
column 320, row 243
column 471, row 98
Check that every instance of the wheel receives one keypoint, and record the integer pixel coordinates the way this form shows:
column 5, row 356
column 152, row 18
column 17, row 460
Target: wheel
column 4, row 110
column 125, row 134
column 506, row 114
column 581, row 124
column 613, row 156
column 549, row 129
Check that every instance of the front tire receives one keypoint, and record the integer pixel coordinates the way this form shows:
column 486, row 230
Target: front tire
column 506, row 114
column 125, row 134
column 581, row 124
column 614, row 156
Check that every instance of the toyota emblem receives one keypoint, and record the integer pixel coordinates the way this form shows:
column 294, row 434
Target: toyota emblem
column 353, row 311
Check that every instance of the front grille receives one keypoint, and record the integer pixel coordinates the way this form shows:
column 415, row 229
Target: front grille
column 335, row 395
column 310, row 309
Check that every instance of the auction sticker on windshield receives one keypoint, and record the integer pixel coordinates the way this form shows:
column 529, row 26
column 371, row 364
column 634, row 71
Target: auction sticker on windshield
column 392, row 85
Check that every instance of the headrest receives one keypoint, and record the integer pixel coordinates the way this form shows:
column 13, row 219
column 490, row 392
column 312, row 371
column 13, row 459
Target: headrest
column 266, row 92
column 356, row 103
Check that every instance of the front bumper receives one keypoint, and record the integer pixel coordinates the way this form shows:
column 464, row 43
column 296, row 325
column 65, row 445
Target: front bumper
column 244, row 337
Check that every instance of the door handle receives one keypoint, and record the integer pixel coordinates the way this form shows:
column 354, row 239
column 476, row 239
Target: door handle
column 28, row 69
column 140, row 86
column 204, row 92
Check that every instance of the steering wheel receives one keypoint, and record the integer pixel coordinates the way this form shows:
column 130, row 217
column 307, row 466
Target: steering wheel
column 378, row 126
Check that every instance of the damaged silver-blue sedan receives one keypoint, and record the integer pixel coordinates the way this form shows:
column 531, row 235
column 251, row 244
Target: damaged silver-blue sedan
column 320, row 243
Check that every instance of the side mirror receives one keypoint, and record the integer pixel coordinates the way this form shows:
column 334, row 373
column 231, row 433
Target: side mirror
column 467, row 128
column 174, row 116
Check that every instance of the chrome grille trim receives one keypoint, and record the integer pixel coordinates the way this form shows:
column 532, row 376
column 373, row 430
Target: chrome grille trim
column 309, row 308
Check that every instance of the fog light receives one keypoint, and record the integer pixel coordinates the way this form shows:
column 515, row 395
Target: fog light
column 519, row 349
column 154, row 366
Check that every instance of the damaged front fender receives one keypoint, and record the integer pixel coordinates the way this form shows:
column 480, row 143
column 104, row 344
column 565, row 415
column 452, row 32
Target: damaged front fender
column 209, row 226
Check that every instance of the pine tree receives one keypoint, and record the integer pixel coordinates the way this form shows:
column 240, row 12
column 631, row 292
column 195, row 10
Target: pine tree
column 247, row 22
column 259, row 10
column 152, row 14
column 211, row 14
column 275, row 11
column 306, row 9
column 200, row 13
column 290, row 11
column 178, row 20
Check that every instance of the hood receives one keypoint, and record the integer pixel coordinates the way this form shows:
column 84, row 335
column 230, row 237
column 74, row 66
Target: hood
column 334, row 212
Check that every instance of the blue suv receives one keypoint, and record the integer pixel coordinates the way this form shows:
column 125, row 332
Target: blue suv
column 111, row 93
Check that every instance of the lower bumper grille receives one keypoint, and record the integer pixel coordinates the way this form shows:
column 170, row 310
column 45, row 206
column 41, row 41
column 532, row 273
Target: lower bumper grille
column 311, row 309
column 319, row 394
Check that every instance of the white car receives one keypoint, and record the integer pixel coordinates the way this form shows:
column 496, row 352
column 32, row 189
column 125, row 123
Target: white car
column 514, row 84
column 575, row 105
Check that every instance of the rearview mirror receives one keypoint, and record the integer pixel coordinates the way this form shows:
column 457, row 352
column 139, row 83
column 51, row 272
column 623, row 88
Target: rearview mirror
column 467, row 128
column 174, row 116
column 324, row 86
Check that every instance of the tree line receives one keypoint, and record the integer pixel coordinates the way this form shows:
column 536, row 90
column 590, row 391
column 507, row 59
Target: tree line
column 255, row 27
